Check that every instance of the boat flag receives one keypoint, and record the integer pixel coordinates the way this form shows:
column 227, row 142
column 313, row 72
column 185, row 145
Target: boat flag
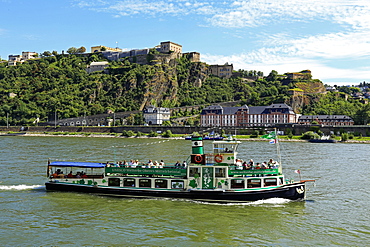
column 271, row 135
column 272, row 141
column 298, row 171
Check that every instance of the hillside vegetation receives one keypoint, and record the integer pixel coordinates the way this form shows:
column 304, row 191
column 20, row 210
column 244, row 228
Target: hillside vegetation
column 39, row 88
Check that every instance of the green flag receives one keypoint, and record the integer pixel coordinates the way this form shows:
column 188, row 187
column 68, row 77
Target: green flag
column 271, row 135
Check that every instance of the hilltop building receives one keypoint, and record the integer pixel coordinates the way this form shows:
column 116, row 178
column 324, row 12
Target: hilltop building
column 169, row 46
column 156, row 115
column 245, row 116
column 26, row 55
column 97, row 66
column 101, row 48
column 224, row 71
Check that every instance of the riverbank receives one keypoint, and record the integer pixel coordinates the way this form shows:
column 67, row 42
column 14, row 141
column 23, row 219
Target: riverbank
column 177, row 136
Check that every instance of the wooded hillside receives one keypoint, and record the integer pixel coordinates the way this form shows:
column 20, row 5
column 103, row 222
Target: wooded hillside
column 38, row 88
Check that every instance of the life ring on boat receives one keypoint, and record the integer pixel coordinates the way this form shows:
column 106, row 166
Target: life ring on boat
column 219, row 158
column 198, row 158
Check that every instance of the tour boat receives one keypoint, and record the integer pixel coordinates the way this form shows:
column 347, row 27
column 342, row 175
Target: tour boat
column 213, row 177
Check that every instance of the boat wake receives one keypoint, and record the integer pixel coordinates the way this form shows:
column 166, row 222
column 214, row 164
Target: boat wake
column 21, row 187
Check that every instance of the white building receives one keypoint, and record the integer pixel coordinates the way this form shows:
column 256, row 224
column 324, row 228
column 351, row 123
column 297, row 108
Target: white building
column 156, row 115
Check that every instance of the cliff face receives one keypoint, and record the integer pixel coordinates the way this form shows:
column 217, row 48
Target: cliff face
column 309, row 92
column 169, row 72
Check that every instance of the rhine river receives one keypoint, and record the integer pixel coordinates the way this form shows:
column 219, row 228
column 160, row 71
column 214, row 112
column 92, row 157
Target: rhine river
column 336, row 212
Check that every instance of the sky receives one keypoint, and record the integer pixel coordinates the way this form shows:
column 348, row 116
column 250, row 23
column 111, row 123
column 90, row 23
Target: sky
column 329, row 37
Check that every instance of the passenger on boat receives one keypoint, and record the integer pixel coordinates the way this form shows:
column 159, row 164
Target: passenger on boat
column 78, row 174
column 273, row 164
column 155, row 164
column 149, row 164
column 178, row 165
column 161, row 164
column 245, row 166
column 264, row 165
column 184, row 165
column 251, row 164
column 258, row 166
column 70, row 175
column 239, row 164
column 125, row 164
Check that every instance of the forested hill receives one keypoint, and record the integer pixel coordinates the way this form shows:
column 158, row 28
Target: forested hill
column 38, row 88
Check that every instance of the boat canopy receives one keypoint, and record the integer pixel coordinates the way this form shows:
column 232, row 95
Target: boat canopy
column 77, row 164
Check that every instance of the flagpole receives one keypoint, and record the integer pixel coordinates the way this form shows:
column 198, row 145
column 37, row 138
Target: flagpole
column 277, row 146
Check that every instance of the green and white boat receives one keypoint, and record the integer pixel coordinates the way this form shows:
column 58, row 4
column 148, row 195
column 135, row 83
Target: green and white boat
column 212, row 177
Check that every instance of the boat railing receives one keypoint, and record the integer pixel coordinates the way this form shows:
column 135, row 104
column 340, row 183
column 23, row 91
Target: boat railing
column 165, row 171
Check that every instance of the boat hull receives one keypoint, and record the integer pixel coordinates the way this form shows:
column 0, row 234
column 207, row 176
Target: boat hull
column 294, row 191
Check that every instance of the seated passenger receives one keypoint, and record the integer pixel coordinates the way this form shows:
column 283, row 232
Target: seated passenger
column 149, row 164
column 238, row 164
column 177, row 165
column 161, row 164
column 61, row 175
column 184, row 165
column 251, row 164
column 70, row 175
column 264, row 165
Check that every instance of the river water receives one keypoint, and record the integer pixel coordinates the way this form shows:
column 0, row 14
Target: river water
column 336, row 212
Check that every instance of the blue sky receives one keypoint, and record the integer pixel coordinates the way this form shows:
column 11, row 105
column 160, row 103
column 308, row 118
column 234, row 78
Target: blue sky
column 331, row 38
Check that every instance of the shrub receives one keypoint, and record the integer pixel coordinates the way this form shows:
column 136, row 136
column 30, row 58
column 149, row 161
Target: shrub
column 310, row 135
column 344, row 137
column 167, row 133
column 255, row 134
column 153, row 134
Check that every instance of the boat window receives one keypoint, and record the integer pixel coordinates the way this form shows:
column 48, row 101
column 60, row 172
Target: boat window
column 237, row 184
column 144, row 183
column 254, row 183
column 193, row 171
column 160, row 183
column 177, row 184
column 220, row 172
column 129, row 182
column 114, row 182
column 281, row 180
column 270, row 181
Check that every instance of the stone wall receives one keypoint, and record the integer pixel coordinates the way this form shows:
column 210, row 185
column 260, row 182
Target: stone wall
column 297, row 129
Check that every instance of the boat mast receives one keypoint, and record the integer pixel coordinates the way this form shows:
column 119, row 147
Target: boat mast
column 277, row 146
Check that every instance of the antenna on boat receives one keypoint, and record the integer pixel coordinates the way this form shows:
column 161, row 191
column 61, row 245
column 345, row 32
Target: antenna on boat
column 277, row 146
